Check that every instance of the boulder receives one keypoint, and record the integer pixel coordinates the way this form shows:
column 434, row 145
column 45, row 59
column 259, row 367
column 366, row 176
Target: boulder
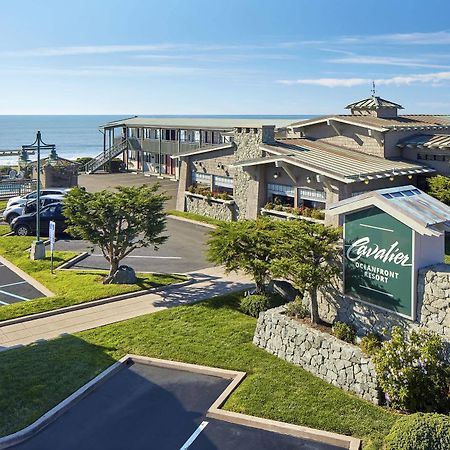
column 124, row 275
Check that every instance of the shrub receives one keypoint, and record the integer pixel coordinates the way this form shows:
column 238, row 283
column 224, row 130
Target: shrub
column 297, row 309
column 412, row 372
column 83, row 160
column 257, row 303
column 420, row 432
column 268, row 205
column 344, row 332
column 307, row 212
column 370, row 344
column 317, row 214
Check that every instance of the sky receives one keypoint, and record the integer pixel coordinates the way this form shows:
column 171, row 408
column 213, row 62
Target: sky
column 222, row 57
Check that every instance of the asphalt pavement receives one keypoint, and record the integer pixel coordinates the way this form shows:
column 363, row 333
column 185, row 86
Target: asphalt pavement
column 146, row 407
column 183, row 252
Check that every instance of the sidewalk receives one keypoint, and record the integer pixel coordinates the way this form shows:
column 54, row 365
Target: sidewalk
column 209, row 283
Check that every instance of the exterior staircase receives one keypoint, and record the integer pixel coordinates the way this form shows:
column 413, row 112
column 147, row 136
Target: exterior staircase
column 104, row 157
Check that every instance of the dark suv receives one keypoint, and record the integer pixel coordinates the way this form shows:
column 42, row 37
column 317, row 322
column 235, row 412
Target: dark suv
column 25, row 225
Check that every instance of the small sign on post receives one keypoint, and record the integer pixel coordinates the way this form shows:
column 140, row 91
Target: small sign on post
column 51, row 235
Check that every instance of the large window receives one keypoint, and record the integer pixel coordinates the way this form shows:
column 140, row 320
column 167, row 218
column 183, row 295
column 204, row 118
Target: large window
column 223, row 184
column 201, row 178
column 280, row 194
column 311, row 194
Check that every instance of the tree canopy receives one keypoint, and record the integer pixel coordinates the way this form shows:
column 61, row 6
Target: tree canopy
column 118, row 222
column 440, row 188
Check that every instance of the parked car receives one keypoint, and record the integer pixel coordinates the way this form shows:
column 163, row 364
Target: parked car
column 14, row 211
column 32, row 195
column 25, row 225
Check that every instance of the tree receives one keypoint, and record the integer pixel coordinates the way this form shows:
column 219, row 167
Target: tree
column 246, row 245
column 118, row 222
column 440, row 188
column 307, row 254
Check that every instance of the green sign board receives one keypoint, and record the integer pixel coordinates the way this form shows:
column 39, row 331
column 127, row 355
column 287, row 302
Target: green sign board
column 378, row 260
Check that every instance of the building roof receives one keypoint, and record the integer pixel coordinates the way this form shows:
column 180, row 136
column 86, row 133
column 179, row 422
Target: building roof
column 373, row 103
column 204, row 149
column 333, row 161
column 409, row 205
column 426, row 140
column 195, row 123
column 403, row 122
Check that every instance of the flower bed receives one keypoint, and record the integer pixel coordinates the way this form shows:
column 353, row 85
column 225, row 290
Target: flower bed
column 204, row 192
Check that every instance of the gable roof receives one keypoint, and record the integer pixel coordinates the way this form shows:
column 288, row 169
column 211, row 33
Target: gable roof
column 373, row 103
column 336, row 162
column 409, row 205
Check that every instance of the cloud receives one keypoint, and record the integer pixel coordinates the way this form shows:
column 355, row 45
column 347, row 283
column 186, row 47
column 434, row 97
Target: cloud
column 415, row 38
column 435, row 79
column 386, row 61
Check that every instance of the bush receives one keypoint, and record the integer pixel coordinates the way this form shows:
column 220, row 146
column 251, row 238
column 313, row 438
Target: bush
column 83, row 160
column 297, row 309
column 317, row 214
column 420, row 432
column 370, row 344
column 344, row 332
column 116, row 165
column 257, row 303
column 412, row 372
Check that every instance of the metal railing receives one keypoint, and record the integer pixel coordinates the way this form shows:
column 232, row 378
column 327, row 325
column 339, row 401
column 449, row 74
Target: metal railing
column 104, row 157
column 11, row 188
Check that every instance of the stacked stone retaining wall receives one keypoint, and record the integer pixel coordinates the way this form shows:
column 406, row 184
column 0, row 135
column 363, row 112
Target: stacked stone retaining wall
column 335, row 361
column 210, row 208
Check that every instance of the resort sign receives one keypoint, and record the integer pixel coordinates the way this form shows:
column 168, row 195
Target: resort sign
column 378, row 260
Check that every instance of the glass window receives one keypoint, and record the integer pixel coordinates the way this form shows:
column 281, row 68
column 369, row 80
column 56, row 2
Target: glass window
column 312, row 194
column 280, row 194
column 223, row 184
column 201, row 178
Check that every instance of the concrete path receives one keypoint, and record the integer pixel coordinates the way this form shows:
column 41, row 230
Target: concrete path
column 209, row 283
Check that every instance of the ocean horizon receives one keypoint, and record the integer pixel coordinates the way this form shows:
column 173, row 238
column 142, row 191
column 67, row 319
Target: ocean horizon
column 78, row 135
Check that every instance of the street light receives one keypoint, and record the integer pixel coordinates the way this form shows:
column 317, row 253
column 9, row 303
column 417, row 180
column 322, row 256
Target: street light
column 38, row 247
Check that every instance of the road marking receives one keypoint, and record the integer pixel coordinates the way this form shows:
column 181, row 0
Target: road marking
column 376, row 228
column 14, row 295
column 13, row 284
column 148, row 257
column 194, row 435
column 376, row 290
column 3, row 303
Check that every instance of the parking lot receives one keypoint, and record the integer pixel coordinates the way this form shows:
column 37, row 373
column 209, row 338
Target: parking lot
column 183, row 252
column 15, row 289
column 149, row 407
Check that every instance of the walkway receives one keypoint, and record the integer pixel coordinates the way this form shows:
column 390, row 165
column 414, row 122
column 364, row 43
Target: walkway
column 209, row 283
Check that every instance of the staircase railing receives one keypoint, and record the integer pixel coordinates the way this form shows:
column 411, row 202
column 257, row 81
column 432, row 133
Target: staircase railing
column 104, row 157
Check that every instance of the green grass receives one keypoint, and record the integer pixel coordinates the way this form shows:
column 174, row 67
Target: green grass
column 193, row 216
column 3, row 204
column 4, row 229
column 70, row 287
column 212, row 333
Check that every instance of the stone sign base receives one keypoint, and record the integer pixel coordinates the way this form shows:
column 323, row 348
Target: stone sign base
column 335, row 361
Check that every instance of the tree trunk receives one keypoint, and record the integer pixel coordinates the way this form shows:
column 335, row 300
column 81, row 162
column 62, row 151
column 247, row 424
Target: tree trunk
column 113, row 266
column 314, row 307
column 260, row 287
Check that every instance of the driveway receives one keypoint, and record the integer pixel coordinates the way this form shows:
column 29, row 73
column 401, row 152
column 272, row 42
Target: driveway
column 183, row 252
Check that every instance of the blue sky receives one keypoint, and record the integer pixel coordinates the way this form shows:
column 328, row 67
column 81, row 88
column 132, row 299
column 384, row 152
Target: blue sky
column 222, row 57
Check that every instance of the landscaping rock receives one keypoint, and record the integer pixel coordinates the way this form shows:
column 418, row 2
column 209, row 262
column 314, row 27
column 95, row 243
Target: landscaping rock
column 124, row 275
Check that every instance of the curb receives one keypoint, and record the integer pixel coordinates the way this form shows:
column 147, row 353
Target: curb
column 214, row 411
column 195, row 222
column 30, row 280
column 73, row 261
column 93, row 303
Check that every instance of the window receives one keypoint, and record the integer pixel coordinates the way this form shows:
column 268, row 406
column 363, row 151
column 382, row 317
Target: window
column 311, row 194
column 223, row 184
column 201, row 178
column 280, row 194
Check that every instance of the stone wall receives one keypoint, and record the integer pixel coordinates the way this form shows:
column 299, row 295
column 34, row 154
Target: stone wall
column 433, row 307
column 210, row 208
column 335, row 361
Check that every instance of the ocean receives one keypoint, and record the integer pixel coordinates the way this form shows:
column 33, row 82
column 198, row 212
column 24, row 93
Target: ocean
column 76, row 136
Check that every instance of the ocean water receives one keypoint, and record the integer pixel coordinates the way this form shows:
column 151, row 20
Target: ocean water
column 74, row 136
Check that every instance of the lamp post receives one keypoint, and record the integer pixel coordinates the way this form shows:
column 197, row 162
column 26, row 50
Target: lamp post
column 38, row 247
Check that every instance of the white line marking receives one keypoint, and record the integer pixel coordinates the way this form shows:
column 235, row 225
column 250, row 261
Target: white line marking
column 14, row 295
column 376, row 290
column 13, row 284
column 194, row 435
column 376, row 228
column 3, row 303
column 149, row 257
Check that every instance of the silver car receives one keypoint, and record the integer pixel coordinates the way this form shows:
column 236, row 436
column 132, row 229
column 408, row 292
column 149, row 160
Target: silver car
column 32, row 195
column 13, row 211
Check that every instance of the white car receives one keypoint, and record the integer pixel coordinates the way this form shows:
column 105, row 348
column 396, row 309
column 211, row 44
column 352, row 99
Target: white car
column 32, row 195
column 13, row 211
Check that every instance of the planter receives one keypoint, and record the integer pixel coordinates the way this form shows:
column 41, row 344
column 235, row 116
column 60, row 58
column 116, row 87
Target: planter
column 209, row 199
column 286, row 215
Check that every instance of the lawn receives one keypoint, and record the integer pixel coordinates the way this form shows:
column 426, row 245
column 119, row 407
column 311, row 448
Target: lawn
column 213, row 333
column 3, row 204
column 193, row 216
column 4, row 229
column 70, row 287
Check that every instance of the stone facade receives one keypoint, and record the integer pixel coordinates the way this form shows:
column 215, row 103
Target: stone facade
column 214, row 208
column 335, row 361
column 433, row 307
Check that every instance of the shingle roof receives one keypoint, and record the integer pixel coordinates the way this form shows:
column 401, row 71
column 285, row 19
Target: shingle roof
column 373, row 103
column 408, row 204
column 426, row 140
column 335, row 162
column 403, row 122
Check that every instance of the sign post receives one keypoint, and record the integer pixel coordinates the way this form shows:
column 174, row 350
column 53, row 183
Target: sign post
column 51, row 235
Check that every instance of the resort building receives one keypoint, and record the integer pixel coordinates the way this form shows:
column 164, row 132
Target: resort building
column 236, row 168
